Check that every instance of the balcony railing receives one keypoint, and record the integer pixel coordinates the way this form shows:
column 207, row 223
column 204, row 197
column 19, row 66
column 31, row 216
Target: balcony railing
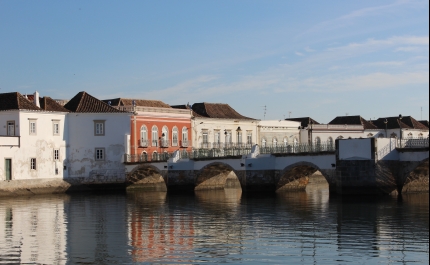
column 143, row 143
column 413, row 143
column 154, row 143
column 298, row 148
column 155, row 157
column 185, row 143
column 164, row 143
column 205, row 145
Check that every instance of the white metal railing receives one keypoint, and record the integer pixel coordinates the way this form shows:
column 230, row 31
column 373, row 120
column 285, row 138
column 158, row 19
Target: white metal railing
column 413, row 143
column 152, row 109
column 337, row 126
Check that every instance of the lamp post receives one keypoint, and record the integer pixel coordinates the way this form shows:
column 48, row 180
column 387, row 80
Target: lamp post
column 400, row 127
column 239, row 131
column 386, row 122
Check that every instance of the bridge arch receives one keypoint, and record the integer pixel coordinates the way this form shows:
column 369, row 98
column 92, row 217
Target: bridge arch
column 146, row 177
column 417, row 179
column 296, row 176
column 217, row 175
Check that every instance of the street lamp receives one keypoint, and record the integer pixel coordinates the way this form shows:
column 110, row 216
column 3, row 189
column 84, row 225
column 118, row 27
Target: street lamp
column 400, row 127
column 386, row 122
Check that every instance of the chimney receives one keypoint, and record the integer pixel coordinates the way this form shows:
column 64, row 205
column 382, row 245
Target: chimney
column 36, row 99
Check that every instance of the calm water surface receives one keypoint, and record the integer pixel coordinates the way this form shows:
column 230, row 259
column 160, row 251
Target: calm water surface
column 214, row 227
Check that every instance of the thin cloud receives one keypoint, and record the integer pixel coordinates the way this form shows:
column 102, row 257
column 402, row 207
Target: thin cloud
column 299, row 53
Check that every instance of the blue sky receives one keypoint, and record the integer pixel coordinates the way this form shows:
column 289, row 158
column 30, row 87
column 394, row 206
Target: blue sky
column 299, row 58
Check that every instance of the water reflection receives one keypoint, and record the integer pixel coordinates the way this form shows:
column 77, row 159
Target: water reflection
column 33, row 230
column 218, row 226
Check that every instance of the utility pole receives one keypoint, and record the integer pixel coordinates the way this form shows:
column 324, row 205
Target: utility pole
column 265, row 109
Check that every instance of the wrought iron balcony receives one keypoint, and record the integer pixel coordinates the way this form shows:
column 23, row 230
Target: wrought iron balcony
column 185, row 143
column 144, row 142
column 205, row 145
column 164, row 143
column 154, row 143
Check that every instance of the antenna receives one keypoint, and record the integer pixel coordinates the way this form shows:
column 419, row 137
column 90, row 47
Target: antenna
column 421, row 113
column 289, row 114
column 265, row 109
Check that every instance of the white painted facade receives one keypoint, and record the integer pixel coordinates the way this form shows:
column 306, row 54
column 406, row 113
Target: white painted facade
column 278, row 133
column 34, row 143
column 91, row 150
column 214, row 132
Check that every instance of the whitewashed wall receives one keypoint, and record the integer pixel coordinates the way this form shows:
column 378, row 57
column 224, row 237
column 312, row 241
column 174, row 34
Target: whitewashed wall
column 199, row 124
column 280, row 130
column 39, row 146
column 83, row 142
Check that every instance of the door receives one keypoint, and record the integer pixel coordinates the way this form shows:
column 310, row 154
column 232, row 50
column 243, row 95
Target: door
column 8, row 167
column 11, row 128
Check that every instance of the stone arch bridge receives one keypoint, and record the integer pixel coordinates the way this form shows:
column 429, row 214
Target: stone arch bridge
column 357, row 166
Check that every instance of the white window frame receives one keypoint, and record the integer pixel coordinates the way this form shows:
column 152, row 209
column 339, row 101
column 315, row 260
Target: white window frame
column 143, row 135
column 154, row 136
column 56, row 154
column 185, row 134
column 175, row 138
column 99, row 127
column 33, row 163
column 32, row 126
column 56, row 127
column 249, row 137
column 99, row 154
column 10, row 127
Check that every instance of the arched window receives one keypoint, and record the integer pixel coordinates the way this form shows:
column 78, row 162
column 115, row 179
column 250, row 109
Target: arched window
column 421, row 136
column 175, row 136
column 370, row 135
column 275, row 142
column 296, row 142
column 340, row 137
column 143, row 136
column 393, row 135
column 165, row 136
column 184, row 142
column 410, row 135
column 154, row 136
column 263, row 142
column 144, row 156
column 317, row 141
column 381, row 135
column 285, row 141
column 155, row 156
column 330, row 142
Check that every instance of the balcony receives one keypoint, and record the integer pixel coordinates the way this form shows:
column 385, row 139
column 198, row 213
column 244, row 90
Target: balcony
column 205, row 145
column 143, row 143
column 185, row 143
column 9, row 140
column 154, row 143
column 164, row 143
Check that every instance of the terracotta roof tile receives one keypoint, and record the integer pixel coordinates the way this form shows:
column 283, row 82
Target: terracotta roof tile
column 407, row 122
column 217, row 110
column 84, row 102
column 187, row 107
column 305, row 121
column 353, row 120
column 425, row 123
column 15, row 101
column 47, row 103
column 138, row 102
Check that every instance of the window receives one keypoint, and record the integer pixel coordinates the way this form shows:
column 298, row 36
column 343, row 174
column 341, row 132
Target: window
column 330, row 141
column 143, row 136
column 381, row 135
column 33, row 163
column 165, row 136
column 410, row 136
column 184, row 137
column 154, row 135
column 285, row 142
column 56, row 154
column 11, row 128
column 340, row 137
column 205, row 136
column 275, row 142
column 217, row 136
column 239, row 137
column 175, row 136
column 249, row 137
column 55, row 127
column 263, row 142
column 100, row 154
column 33, row 126
column 393, row 135
column 370, row 135
column 421, row 136
column 99, row 128
column 228, row 137
column 318, row 141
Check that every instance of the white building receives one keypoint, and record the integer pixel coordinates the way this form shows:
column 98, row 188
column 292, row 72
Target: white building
column 278, row 133
column 32, row 137
column 98, row 138
column 216, row 125
column 404, row 127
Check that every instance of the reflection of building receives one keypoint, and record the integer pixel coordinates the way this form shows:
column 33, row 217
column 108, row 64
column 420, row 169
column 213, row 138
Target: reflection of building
column 157, row 236
column 33, row 231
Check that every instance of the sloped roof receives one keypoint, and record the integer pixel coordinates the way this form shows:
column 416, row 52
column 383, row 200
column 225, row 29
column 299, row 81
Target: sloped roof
column 407, row 122
column 186, row 107
column 47, row 103
column 217, row 110
column 16, row 101
column 305, row 121
column 425, row 123
column 138, row 102
column 353, row 120
column 84, row 102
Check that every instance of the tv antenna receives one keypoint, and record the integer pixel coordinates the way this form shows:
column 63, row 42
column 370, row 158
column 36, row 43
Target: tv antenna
column 289, row 114
column 265, row 109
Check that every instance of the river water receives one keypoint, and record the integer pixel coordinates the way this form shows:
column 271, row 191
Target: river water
column 214, row 227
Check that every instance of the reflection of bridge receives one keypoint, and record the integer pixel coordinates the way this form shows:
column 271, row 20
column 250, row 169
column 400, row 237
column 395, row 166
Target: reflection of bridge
column 352, row 166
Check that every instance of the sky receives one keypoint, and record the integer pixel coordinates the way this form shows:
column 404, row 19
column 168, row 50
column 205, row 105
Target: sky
column 268, row 59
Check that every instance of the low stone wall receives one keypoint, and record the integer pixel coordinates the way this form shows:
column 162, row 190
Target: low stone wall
column 33, row 187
